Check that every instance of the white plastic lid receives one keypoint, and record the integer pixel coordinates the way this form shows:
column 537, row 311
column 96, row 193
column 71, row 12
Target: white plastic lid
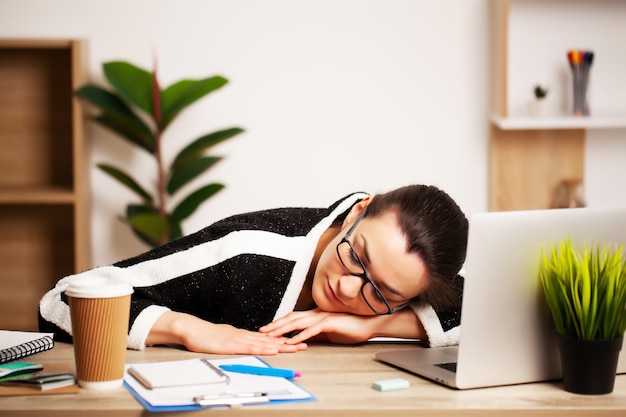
column 105, row 285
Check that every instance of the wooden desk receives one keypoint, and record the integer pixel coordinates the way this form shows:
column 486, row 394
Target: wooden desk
column 340, row 377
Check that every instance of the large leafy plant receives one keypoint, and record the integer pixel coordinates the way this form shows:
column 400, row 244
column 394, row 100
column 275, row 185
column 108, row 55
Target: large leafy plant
column 585, row 288
column 140, row 112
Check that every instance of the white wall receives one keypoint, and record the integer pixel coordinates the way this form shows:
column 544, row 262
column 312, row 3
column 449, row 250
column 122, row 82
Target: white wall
column 335, row 96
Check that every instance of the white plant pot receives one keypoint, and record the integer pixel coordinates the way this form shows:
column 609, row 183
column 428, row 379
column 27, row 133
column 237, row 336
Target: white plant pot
column 538, row 108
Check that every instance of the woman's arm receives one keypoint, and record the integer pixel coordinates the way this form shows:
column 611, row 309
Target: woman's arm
column 403, row 324
column 153, row 324
column 345, row 328
column 199, row 335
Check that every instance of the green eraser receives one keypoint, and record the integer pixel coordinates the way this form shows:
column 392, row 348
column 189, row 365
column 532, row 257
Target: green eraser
column 390, row 384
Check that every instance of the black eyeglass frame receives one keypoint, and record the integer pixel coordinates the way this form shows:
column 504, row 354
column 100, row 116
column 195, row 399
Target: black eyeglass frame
column 364, row 276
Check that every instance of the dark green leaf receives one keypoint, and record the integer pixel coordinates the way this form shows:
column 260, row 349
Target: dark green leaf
column 133, row 210
column 127, row 181
column 105, row 100
column 195, row 149
column 132, row 83
column 186, row 173
column 118, row 116
column 191, row 203
column 176, row 230
column 181, row 94
column 151, row 226
column 126, row 131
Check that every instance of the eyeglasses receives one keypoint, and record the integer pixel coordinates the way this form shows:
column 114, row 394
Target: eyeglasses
column 351, row 262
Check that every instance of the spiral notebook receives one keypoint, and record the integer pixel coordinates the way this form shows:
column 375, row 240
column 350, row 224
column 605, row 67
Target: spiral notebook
column 16, row 344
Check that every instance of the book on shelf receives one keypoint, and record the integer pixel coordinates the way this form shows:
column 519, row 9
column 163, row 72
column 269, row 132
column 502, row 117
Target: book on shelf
column 16, row 344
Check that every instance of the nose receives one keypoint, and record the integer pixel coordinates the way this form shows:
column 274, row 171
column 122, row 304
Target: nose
column 349, row 286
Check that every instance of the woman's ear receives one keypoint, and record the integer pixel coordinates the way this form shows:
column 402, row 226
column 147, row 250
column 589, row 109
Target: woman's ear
column 356, row 210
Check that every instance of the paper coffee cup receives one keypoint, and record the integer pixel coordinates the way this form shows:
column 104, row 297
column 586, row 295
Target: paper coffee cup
column 99, row 310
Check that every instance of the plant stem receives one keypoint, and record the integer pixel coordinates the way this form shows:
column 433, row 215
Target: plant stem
column 156, row 114
column 160, row 176
column 161, row 197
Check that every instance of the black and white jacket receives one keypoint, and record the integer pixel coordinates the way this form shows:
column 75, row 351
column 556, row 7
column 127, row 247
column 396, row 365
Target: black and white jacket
column 246, row 270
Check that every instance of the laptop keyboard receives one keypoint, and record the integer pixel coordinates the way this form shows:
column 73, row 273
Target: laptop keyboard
column 450, row 366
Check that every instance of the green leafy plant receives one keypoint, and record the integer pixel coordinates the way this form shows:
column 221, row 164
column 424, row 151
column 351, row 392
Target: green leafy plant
column 140, row 112
column 585, row 288
column 540, row 92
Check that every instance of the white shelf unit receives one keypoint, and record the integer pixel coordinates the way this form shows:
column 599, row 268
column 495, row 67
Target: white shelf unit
column 565, row 122
column 530, row 156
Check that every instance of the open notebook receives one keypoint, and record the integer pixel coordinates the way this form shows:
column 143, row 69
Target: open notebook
column 507, row 335
column 194, row 378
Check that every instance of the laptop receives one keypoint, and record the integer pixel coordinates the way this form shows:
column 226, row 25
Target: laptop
column 507, row 336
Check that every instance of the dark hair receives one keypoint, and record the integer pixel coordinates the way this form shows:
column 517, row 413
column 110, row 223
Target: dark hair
column 436, row 229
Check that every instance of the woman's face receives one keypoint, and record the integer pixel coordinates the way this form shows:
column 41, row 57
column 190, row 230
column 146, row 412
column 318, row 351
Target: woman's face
column 380, row 244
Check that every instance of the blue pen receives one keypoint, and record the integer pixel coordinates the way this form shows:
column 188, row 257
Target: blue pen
column 261, row 370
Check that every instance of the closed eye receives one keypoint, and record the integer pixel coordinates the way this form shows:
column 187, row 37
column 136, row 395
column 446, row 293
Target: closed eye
column 354, row 259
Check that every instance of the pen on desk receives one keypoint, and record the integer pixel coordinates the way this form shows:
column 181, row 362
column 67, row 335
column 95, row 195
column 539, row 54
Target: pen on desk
column 261, row 370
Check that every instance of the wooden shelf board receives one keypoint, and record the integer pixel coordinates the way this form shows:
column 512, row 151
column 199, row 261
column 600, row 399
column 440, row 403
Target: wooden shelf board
column 23, row 43
column 36, row 195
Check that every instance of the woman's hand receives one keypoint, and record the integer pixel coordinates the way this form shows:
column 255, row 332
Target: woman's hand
column 344, row 328
column 199, row 335
column 341, row 328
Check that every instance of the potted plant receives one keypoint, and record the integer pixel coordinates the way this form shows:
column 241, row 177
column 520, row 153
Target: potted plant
column 540, row 92
column 585, row 289
column 538, row 103
column 140, row 111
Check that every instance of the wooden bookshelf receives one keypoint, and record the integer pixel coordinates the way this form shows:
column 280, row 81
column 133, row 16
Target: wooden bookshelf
column 43, row 174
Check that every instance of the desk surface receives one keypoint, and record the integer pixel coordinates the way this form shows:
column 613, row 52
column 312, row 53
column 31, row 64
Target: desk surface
column 340, row 377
